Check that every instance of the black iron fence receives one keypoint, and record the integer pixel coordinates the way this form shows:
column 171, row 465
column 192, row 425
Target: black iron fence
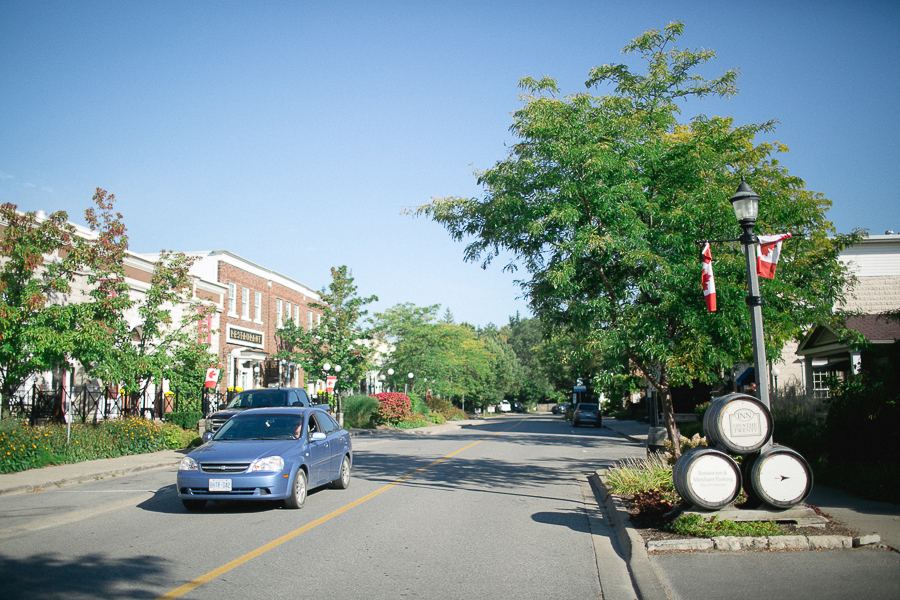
column 92, row 405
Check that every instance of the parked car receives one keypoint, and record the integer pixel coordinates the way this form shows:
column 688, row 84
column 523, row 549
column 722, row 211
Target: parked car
column 559, row 409
column 258, row 398
column 505, row 406
column 585, row 413
column 518, row 407
column 273, row 454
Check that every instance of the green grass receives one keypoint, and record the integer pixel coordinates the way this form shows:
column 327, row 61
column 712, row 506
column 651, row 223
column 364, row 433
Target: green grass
column 697, row 526
column 635, row 475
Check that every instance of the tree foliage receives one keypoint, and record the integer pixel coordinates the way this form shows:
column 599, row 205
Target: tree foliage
column 603, row 198
column 342, row 338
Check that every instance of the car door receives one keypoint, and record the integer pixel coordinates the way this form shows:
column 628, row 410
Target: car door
column 335, row 445
column 318, row 453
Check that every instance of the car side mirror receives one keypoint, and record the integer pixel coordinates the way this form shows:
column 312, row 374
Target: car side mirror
column 207, row 435
column 297, row 403
column 317, row 436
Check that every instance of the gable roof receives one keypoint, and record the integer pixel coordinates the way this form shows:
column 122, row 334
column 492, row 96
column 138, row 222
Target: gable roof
column 876, row 329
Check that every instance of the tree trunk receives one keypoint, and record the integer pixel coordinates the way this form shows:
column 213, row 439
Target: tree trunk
column 669, row 413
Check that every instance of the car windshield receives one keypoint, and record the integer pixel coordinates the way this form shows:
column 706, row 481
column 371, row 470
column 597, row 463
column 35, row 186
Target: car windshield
column 587, row 407
column 261, row 427
column 258, row 399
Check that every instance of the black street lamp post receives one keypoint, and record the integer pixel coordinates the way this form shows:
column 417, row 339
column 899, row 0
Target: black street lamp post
column 746, row 207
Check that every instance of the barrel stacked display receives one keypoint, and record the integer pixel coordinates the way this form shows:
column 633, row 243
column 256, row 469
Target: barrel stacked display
column 741, row 425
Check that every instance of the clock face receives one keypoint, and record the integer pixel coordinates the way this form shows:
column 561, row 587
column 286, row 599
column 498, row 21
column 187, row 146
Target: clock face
column 713, row 479
column 783, row 478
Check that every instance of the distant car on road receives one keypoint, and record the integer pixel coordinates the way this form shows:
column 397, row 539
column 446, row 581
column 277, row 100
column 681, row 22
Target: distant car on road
column 273, row 454
column 505, row 406
column 559, row 409
column 517, row 407
column 586, row 413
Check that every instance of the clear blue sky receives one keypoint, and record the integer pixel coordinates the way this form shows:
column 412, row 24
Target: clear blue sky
column 295, row 133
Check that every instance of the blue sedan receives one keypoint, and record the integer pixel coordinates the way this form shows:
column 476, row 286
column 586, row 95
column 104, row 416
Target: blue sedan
column 267, row 454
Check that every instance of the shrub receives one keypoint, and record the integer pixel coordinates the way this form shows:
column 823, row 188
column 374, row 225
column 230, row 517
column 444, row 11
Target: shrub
column 637, row 475
column 436, row 418
column 445, row 408
column 413, row 421
column 695, row 525
column 360, row 411
column 393, row 407
column 187, row 419
column 686, row 444
column 418, row 404
column 24, row 447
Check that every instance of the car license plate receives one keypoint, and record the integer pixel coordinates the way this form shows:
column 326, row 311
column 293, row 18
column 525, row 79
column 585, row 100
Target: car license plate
column 220, row 485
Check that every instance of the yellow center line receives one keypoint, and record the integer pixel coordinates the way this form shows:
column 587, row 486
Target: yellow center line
column 192, row 585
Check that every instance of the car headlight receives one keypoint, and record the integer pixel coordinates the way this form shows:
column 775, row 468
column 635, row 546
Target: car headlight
column 270, row 463
column 188, row 464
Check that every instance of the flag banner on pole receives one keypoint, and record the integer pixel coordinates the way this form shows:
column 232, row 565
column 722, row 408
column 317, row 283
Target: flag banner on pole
column 767, row 253
column 329, row 383
column 706, row 278
column 212, row 377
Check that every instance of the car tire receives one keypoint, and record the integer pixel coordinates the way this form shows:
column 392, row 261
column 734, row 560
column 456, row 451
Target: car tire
column 598, row 423
column 298, row 491
column 343, row 481
column 193, row 505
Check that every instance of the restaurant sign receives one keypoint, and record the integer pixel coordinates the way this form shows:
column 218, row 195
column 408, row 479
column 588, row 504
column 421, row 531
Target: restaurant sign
column 245, row 337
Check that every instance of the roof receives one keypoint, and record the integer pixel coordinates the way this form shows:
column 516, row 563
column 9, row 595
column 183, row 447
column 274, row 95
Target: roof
column 876, row 328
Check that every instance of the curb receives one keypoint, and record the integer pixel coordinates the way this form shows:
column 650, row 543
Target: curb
column 29, row 488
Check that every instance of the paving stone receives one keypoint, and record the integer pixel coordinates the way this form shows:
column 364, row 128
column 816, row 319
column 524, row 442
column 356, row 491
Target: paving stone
column 830, row 542
column 866, row 540
column 788, row 542
column 688, row 544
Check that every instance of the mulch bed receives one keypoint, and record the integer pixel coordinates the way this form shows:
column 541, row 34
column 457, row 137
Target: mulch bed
column 652, row 527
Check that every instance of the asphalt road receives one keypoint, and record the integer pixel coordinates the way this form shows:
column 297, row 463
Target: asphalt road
column 500, row 510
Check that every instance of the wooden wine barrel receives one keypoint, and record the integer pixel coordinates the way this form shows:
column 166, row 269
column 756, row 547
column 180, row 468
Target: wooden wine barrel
column 738, row 424
column 779, row 477
column 707, row 478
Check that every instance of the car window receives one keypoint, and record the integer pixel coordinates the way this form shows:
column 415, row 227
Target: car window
column 304, row 397
column 583, row 406
column 266, row 427
column 259, row 398
column 334, row 424
column 326, row 423
column 313, row 425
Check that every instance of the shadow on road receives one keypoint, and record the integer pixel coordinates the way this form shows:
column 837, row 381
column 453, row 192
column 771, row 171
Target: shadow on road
column 89, row 575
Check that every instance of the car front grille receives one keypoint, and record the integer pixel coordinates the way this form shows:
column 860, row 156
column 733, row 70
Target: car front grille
column 216, row 422
column 215, row 468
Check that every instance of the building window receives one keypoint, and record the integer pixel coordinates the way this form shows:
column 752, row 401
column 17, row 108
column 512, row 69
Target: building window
column 821, row 380
column 288, row 312
column 232, row 299
column 257, row 314
column 279, row 312
column 309, row 317
column 297, row 316
column 245, row 303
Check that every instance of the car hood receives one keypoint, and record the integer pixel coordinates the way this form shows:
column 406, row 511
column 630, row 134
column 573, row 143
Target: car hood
column 240, row 450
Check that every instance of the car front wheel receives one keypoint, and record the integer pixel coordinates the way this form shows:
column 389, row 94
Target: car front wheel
column 298, row 492
column 343, row 482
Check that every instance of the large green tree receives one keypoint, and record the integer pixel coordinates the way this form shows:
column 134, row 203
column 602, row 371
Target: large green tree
column 603, row 198
column 342, row 338
column 44, row 321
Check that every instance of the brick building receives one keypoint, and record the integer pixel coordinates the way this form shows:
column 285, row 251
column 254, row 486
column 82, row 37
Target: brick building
column 256, row 303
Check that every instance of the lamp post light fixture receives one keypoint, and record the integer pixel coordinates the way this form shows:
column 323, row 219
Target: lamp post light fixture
column 746, row 208
column 391, row 375
column 775, row 373
column 405, row 385
column 381, row 379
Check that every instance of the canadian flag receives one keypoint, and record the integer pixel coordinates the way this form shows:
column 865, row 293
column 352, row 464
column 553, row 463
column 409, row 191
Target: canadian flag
column 329, row 383
column 212, row 377
column 767, row 253
column 706, row 278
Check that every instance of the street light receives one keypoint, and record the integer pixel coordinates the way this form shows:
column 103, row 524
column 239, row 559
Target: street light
column 405, row 390
column 746, row 208
column 775, row 373
column 391, row 375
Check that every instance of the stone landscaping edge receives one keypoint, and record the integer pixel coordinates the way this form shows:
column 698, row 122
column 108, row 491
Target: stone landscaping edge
column 629, row 537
